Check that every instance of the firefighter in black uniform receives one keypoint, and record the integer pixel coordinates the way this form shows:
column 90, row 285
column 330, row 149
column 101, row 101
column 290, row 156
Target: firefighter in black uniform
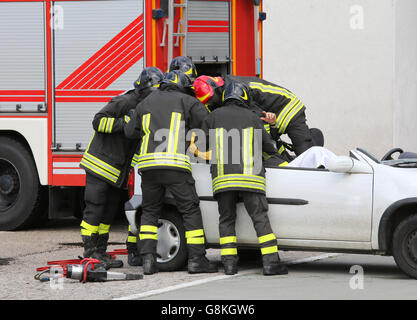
column 107, row 164
column 244, row 180
column 164, row 165
column 289, row 110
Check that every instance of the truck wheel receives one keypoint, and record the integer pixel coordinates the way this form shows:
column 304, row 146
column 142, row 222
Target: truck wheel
column 405, row 246
column 20, row 191
column 172, row 247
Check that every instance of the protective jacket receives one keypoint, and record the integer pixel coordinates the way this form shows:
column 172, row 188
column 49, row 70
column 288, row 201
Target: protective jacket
column 161, row 122
column 109, row 153
column 287, row 106
column 237, row 138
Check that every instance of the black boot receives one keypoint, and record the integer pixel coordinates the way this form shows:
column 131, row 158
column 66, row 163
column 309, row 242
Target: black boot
column 273, row 266
column 134, row 259
column 230, row 265
column 89, row 244
column 102, row 255
column 149, row 264
column 201, row 265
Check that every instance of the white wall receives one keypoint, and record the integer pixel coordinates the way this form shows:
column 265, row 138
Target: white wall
column 405, row 114
column 342, row 74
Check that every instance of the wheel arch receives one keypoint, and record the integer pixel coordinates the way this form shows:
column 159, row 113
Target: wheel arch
column 33, row 134
column 391, row 217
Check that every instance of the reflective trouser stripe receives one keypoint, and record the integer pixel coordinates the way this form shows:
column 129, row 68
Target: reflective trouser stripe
column 88, row 229
column 267, row 237
column 144, row 236
column 148, row 228
column 131, row 239
column 195, row 236
column 103, row 228
column 227, row 240
column 199, row 240
column 269, row 250
column 229, row 252
column 151, row 232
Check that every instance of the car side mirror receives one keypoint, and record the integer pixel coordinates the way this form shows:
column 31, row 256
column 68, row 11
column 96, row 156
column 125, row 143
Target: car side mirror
column 344, row 164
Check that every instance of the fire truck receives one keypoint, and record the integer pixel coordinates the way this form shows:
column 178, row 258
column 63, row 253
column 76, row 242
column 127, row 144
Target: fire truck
column 62, row 61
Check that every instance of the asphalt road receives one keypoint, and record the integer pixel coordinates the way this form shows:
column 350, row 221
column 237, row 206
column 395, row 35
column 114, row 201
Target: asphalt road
column 312, row 275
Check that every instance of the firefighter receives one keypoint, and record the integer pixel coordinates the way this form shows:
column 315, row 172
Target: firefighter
column 244, row 179
column 163, row 164
column 209, row 90
column 289, row 110
column 107, row 164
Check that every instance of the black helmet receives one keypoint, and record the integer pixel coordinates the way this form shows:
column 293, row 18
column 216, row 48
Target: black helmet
column 237, row 91
column 185, row 65
column 150, row 77
column 178, row 78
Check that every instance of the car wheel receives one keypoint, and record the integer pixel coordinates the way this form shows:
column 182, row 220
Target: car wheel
column 405, row 246
column 20, row 191
column 172, row 247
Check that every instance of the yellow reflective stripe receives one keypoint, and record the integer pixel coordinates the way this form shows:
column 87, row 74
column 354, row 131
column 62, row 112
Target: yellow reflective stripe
column 174, row 130
column 148, row 228
column 130, row 228
column 162, row 155
column 89, row 227
column 132, row 239
column 219, row 150
column 165, row 164
column 146, row 119
column 281, row 149
column 271, row 89
column 199, row 240
column 110, row 125
column 102, row 164
column 194, row 233
column 230, row 177
column 248, row 151
column 103, row 228
column 284, row 164
column 127, row 119
column 144, row 236
column 269, row 250
column 226, row 240
column 85, row 232
column 291, row 116
column 267, row 127
column 266, row 238
column 99, row 171
column 102, row 124
column 229, row 252
column 240, row 185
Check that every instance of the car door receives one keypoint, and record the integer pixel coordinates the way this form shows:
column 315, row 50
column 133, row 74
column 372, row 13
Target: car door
column 320, row 205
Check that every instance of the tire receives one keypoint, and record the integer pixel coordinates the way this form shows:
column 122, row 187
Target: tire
column 404, row 246
column 172, row 251
column 20, row 191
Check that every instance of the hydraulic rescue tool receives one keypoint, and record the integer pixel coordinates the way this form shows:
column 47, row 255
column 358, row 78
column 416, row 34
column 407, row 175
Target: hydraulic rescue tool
column 84, row 270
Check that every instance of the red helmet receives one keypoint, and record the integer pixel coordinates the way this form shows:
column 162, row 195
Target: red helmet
column 204, row 87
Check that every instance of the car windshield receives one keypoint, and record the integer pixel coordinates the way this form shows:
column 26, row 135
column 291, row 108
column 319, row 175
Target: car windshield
column 368, row 154
column 403, row 163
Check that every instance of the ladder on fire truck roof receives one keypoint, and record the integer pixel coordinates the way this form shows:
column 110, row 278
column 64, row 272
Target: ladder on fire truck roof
column 181, row 31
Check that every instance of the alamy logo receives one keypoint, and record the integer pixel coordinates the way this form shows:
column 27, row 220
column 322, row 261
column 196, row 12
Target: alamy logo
column 357, row 19
column 357, row 281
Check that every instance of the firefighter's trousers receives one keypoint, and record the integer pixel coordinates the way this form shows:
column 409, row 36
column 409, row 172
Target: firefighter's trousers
column 181, row 186
column 102, row 202
column 257, row 207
